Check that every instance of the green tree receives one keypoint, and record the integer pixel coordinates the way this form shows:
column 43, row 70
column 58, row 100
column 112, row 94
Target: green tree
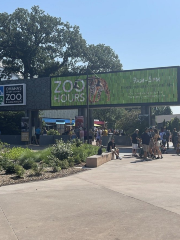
column 166, row 110
column 109, row 115
column 10, row 122
column 130, row 121
column 37, row 44
column 98, row 58
column 175, row 123
column 102, row 58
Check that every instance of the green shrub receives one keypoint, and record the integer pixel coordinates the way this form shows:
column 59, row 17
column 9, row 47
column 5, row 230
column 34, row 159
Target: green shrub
column 16, row 152
column 10, row 168
column 77, row 142
column 42, row 155
column 56, row 169
column 38, row 169
column 1, row 163
column 71, row 161
column 28, row 163
column 25, row 155
column 77, row 159
column 55, row 163
column 53, row 132
column 85, row 150
column 19, row 170
column 64, row 164
column 38, row 156
column 4, row 146
column 62, row 150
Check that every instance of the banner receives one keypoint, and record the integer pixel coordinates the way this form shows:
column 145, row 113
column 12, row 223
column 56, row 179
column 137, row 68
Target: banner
column 79, row 121
column 157, row 85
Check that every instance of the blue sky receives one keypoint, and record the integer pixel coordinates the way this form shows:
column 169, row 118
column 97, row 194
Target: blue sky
column 144, row 33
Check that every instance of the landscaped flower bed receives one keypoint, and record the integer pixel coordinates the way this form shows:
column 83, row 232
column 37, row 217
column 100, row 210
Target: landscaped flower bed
column 19, row 165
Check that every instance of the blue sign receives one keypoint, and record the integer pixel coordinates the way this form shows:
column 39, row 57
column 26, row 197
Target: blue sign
column 1, row 90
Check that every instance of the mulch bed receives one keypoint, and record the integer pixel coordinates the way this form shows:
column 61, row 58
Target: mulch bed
column 8, row 179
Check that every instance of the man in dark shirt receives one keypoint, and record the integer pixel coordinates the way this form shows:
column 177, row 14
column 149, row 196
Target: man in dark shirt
column 134, row 139
column 145, row 142
column 112, row 148
column 167, row 132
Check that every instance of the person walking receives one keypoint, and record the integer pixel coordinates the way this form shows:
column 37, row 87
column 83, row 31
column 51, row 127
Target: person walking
column 37, row 132
column 145, row 143
column 163, row 136
column 167, row 136
column 174, row 137
column 105, row 132
column 157, row 143
column 134, row 140
column 81, row 134
column 98, row 137
column 91, row 136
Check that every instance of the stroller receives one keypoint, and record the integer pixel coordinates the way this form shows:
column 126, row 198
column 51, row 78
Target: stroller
column 163, row 149
column 141, row 152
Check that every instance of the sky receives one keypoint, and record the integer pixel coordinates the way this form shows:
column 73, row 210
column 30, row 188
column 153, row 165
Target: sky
column 144, row 33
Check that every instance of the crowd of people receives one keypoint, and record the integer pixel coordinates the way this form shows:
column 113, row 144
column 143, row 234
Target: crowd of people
column 94, row 134
column 153, row 143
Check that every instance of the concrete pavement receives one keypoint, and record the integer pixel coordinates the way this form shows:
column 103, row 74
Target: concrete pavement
column 119, row 200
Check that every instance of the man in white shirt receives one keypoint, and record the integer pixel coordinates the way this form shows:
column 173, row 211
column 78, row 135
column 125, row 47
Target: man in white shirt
column 81, row 134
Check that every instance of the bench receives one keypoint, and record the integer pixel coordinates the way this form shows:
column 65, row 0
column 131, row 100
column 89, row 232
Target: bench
column 97, row 160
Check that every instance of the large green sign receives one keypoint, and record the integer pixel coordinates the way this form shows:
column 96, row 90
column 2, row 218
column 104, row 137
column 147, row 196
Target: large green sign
column 126, row 87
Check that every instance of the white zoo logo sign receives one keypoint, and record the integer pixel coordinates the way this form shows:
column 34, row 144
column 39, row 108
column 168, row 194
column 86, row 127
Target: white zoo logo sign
column 69, row 91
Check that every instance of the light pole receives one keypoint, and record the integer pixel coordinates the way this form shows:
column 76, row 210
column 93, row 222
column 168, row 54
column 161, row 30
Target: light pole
column 87, row 104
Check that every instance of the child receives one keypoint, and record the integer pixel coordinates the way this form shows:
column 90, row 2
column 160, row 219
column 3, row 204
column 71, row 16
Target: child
column 97, row 142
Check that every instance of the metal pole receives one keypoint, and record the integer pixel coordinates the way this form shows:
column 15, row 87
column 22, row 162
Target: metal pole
column 87, row 90
column 149, row 112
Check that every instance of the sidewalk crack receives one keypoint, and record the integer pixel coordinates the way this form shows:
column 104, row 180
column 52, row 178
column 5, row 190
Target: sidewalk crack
column 9, row 223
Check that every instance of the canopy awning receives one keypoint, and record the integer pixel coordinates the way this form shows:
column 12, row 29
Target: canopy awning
column 99, row 122
column 57, row 120
column 96, row 125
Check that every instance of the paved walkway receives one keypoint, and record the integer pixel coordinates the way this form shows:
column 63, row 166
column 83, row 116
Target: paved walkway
column 119, row 200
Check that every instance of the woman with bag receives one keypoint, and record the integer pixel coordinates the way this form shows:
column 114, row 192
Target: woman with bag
column 157, row 143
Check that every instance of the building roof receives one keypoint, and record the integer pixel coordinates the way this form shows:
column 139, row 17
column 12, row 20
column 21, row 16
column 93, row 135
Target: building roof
column 167, row 118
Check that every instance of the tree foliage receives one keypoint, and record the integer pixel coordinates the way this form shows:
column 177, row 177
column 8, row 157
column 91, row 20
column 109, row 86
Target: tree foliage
column 102, row 58
column 130, row 121
column 120, row 118
column 174, row 123
column 10, row 122
column 109, row 115
column 165, row 110
column 37, row 44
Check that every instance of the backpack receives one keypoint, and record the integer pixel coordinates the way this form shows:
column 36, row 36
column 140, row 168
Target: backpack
column 167, row 134
column 99, row 151
column 164, row 136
